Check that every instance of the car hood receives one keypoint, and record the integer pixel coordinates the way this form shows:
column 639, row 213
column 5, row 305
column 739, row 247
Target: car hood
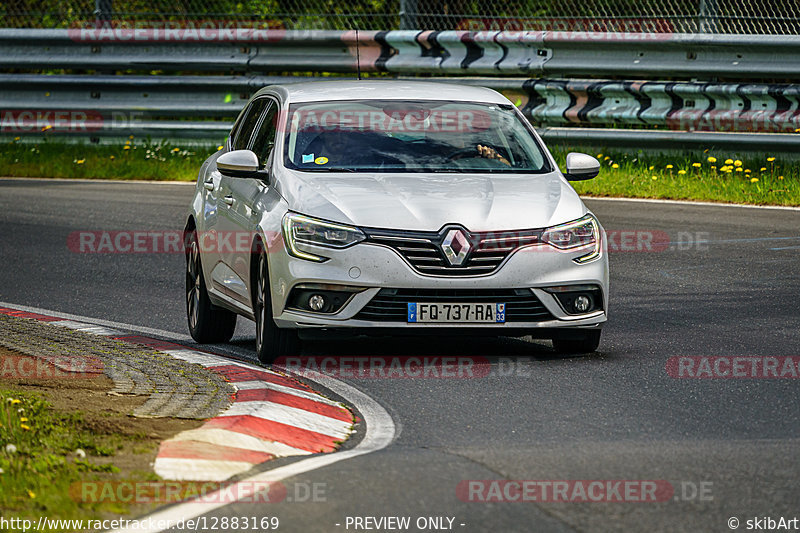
column 430, row 201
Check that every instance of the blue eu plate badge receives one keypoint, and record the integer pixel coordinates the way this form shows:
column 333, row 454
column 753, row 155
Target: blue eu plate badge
column 500, row 313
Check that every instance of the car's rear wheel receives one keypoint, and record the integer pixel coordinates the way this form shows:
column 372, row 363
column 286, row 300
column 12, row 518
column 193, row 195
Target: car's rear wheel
column 207, row 324
column 582, row 342
column 271, row 341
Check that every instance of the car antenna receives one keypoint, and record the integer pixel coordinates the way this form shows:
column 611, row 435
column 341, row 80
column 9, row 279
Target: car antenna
column 358, row 57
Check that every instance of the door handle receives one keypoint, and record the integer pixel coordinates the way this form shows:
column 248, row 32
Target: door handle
column 209, row 185
column 228, row 200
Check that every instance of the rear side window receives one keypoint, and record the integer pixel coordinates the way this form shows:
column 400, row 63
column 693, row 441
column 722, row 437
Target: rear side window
column 245, row 133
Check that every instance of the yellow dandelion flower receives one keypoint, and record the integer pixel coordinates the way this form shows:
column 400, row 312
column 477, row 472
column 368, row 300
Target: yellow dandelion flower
column 669, row 167
column 681, row 172
column 219, row 148
column 753, row 180
column 615, row 165
column 712, row 159
column 651, row 167
column 770, row 159
column 747, row 171
column 737, row 163
column 26, row 427
column 762, row 169
column 126, row 147
column 655, row 178
column 112, row 158
column 176, row 149
column 14, row 401
column 606, row 158
column 80, row 161
column 780, row 177
column 599, row 156
column 729, row 161
column 16, row 138
column 31, row 494
column 739, row 169
column 23, row 419
column 696, row 165
column 713, row 168
column 797, row 130
column 48, row 127
column 130, row 136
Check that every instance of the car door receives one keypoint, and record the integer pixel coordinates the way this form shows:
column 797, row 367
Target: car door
column 224, row 278
column 241, row 195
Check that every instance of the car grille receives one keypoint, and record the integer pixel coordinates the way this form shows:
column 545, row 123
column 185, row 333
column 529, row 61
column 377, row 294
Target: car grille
column 391, row 305
column 423, row 250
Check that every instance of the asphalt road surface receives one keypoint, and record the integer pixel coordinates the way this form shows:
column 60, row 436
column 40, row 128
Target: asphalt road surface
column 728, row 284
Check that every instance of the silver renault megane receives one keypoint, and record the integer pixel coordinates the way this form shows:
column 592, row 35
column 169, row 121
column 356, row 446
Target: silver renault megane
column 392, row 207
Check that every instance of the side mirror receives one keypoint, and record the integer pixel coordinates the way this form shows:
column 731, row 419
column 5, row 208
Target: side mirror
column 238, row 164
column 580, row 167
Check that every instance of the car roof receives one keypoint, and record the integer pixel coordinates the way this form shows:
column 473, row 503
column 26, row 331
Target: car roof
column 326, row 91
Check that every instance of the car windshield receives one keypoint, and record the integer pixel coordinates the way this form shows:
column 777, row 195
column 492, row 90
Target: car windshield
column 410, row 136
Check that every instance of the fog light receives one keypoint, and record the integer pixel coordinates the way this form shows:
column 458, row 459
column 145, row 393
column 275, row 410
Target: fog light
column 581, row 303
column 316, row 302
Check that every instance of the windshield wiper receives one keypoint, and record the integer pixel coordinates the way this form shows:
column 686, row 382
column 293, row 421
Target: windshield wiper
column 337, row 169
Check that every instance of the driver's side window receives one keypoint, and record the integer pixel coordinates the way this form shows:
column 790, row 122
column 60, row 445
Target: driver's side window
column 264, row 139
column 249, row 123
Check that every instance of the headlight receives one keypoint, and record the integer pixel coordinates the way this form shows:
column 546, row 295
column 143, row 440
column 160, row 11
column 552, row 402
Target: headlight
column 582, row 232
column 299, row 230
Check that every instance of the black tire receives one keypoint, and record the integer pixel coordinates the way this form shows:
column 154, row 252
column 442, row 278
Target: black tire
column 587, row 342
column 207, row 323
column 272, row 342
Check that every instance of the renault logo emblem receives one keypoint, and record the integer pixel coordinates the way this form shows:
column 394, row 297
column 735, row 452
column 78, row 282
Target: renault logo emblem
column 456, row 246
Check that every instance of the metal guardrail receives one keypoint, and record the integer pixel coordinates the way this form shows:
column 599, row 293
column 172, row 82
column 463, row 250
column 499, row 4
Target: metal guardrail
column 600, row 54
column 201, row 107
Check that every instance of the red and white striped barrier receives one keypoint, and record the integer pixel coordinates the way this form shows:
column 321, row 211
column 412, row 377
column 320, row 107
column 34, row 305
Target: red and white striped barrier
column 272, row 415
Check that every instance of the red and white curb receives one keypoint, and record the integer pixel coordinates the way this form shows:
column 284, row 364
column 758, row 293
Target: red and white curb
column 271, row 416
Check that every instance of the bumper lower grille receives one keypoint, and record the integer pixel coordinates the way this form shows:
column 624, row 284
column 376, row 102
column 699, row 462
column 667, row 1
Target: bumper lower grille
column 391, row 305
column 423, row 250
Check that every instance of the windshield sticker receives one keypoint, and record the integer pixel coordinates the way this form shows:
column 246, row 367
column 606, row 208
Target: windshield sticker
column 308, row 158
column 321, row 160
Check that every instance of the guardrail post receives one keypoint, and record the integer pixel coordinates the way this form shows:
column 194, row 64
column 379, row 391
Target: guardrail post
column 408, row 14
column 103, row 11
column 707, row 17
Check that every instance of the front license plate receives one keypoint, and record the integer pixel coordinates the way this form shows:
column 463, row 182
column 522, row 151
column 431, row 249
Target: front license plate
column 457, row 313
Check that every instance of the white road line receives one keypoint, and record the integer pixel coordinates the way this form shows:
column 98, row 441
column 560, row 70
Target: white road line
column 380, row 431
column 291, row 416
column 178, row 337
column 687, row 203
column 99, row 181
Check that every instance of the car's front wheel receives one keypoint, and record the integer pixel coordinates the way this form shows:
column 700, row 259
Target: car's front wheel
column 582, row 342
column 207, row 324
column 271, row 341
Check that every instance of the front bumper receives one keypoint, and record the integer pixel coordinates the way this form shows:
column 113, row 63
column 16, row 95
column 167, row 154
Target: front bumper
column 372, row 267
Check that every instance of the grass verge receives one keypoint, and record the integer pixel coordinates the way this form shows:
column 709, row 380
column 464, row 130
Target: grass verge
column 134, row 160
column 713, row 177
column 757, row 180
column 61, row 439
